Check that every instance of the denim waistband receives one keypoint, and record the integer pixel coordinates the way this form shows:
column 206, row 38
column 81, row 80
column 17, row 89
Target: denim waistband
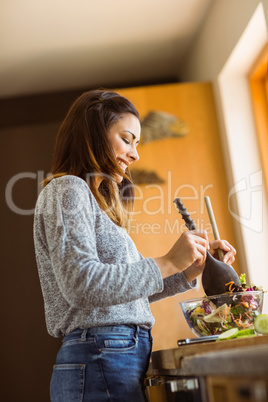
column 83, row 334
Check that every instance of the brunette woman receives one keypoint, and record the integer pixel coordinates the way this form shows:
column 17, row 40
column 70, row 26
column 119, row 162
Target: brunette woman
column 97, row 287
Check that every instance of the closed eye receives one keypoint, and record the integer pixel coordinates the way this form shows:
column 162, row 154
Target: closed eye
column 126, row 141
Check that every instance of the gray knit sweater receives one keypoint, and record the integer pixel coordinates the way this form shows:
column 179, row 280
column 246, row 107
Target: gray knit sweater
column 90, row 271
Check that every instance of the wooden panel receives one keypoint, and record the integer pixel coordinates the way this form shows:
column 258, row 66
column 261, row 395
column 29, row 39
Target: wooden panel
column 228, row 389
column 192, row 167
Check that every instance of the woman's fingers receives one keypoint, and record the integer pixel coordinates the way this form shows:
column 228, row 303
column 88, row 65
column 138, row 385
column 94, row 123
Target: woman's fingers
column 199, row 243
column 201, row 254
column 229, row 250
column 200, row 233
column 189, row 249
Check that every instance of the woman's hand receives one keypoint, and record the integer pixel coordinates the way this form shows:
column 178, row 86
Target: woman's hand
column 228, row 249
column 189, row 254
column 193, row 271
column 190, row 249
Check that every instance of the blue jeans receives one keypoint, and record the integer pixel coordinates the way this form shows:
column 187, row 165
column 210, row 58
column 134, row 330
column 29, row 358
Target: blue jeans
column 102, row 364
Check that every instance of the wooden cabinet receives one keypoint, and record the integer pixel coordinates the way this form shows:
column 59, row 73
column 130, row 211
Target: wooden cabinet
column 240, row 389
column 191, row 166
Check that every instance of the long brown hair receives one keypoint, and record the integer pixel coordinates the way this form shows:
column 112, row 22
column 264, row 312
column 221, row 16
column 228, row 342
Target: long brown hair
column 82, row 149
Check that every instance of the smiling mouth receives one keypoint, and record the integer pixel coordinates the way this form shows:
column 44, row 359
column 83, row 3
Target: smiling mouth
column 122, row 164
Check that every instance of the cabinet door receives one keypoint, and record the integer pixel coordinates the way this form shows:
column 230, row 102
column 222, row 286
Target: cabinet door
column 190, row 166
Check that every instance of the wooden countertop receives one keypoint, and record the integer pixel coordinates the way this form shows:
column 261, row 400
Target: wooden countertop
column 246, row 356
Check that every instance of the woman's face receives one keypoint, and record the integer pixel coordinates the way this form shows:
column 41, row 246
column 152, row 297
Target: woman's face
column 124, row 137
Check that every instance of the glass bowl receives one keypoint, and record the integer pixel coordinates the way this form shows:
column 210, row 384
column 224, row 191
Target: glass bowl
column 212, row 315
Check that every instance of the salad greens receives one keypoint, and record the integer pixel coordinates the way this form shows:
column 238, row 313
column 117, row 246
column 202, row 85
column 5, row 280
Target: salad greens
column 235, row 309
column 231, row 287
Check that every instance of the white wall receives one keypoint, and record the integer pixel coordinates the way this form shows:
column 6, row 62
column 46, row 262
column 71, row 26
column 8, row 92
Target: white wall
column 230, row 40
column 219, row 35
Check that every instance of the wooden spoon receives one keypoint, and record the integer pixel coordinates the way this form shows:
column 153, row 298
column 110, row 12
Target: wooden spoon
column 216, row 273
column 213, row 225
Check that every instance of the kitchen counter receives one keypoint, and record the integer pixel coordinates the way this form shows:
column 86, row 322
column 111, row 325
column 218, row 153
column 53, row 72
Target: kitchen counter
column 248, row 356
column 238, row 366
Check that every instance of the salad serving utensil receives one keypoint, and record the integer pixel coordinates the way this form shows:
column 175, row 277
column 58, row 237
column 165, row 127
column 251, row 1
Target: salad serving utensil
column 216, row 273
column 213, row 225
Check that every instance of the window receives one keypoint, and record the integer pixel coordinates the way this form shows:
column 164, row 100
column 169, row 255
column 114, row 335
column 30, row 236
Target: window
column 258, row 78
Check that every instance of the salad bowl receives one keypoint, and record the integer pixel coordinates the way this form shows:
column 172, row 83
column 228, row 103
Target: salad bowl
column 213, row 315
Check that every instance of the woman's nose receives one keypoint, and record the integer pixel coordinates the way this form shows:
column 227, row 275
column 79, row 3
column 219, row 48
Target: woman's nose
column 133, row 154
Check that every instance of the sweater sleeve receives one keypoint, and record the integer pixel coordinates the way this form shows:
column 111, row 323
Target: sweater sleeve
column 68, row 219
column 172, row 285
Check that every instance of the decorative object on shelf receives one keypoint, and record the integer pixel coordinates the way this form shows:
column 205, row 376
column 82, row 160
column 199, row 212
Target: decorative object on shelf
column 158, row 125
column 143, row 176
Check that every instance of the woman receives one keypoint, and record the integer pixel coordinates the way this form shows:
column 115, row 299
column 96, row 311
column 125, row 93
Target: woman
column 96, row 285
